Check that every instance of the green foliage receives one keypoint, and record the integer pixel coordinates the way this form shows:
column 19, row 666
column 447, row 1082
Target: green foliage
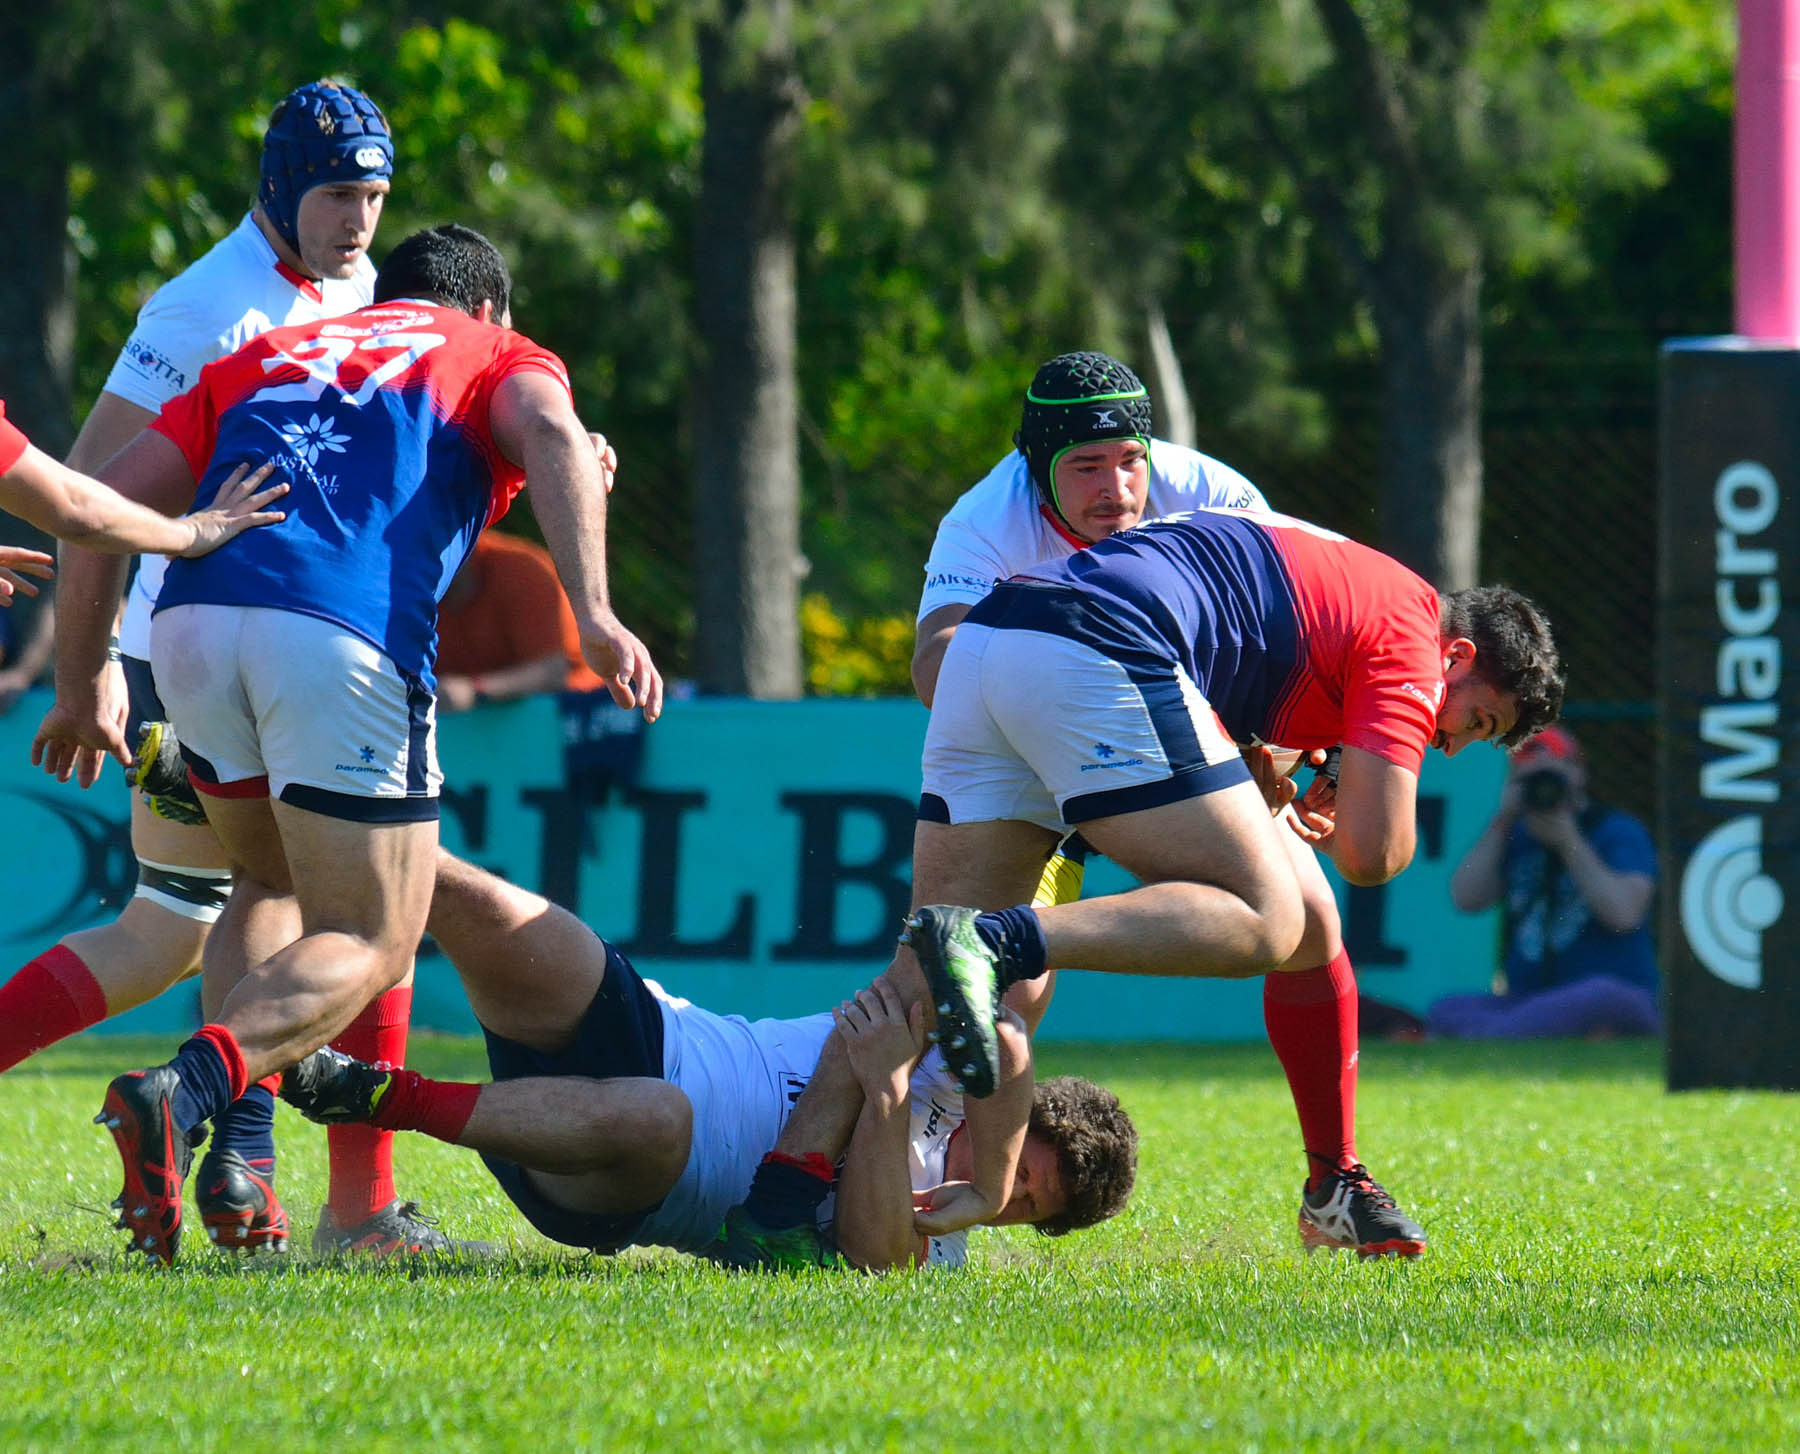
column 980, row 186
column 866, row 657
column 1611, row 1267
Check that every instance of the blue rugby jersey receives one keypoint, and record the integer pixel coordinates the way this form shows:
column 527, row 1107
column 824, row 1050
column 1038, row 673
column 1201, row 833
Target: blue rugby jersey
column 379, row 422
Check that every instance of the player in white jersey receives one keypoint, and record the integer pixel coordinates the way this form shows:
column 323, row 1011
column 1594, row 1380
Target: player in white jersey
column 621, row 1115
column 1006, row 522
column 299, row 254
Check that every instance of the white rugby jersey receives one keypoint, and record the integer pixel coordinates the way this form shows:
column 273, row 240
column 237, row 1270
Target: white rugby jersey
column 238, row 290
column 743, row 1077
column 997, row 530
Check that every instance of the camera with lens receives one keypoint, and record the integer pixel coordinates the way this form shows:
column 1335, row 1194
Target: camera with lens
column 1543, row 790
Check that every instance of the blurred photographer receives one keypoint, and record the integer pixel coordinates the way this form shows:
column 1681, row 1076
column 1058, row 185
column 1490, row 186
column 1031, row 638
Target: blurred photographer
column 1575, row 879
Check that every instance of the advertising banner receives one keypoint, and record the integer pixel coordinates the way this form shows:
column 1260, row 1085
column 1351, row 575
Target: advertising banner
column 752, row 856
column 1728, row 829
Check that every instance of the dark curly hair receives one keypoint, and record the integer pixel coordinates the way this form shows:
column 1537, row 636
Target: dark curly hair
column 1514, row 652
column 1096, row 1150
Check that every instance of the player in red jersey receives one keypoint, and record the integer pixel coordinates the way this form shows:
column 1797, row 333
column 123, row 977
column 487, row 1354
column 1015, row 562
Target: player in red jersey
column 300, row 253
column 1151, row 660
column 299, row 678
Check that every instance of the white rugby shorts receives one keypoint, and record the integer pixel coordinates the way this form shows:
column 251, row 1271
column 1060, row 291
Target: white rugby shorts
column 1039, row 728
column 272, row 703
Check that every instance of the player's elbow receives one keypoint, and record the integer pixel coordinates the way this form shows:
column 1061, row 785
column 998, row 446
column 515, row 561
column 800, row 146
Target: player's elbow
column 1370, row 862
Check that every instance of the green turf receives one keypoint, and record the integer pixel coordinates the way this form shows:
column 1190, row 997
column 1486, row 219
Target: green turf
column 1611, row 1267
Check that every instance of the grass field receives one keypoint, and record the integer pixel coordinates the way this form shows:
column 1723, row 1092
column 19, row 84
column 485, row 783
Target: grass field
column 1611, row 1267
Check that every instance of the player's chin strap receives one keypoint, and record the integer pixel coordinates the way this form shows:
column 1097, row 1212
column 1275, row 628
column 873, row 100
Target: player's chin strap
column 1061, row 527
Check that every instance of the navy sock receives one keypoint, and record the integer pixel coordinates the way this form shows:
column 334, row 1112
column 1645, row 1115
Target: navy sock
column 786, row 1190
column 205, row 1089
column 247, row 1126
column 1017, row 939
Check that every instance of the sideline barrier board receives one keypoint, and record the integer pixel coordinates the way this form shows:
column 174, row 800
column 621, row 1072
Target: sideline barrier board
column 757, row 861
column 1728, row 810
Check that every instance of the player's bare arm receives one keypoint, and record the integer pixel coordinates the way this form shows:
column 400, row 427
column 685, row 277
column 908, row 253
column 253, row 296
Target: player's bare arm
column 1376, row 815
column 874, row 1212
column 110, row 425
column 932, row 641
column 536, row 428
column 82, row 511
column 996, row 1131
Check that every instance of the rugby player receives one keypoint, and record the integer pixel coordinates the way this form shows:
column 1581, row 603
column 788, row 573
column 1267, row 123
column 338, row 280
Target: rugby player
column 1087, row 467
column 298, row 673
column 1112, row 691
column 620, row 1114
column 300, row 254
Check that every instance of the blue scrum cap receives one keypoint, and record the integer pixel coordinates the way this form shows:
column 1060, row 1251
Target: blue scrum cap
column 320, row 132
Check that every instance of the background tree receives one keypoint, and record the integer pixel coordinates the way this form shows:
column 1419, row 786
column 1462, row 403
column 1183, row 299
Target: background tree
column 746, row 462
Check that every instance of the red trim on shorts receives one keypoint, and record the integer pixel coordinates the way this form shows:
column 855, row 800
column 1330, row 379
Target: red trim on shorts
column 249, row 787
column 305, row 286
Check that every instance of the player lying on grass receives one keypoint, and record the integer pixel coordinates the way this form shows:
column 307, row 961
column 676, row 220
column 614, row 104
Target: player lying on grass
column 621, row 1115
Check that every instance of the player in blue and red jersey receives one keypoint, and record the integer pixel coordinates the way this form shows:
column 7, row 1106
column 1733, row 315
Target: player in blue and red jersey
column 1115, row 691
column 299, row 676
column 299, row 254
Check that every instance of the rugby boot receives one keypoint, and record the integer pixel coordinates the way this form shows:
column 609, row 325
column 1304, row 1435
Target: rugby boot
column 963, row 974
column 157, row 1156
column 400, row 1229
column 160, row 773
column 745, row 1244
column 335, row 1089
column 1349, row 1210
column 238, row 1206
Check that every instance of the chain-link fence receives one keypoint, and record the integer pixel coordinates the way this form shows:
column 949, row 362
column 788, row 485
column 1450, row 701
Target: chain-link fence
column 1570, row 519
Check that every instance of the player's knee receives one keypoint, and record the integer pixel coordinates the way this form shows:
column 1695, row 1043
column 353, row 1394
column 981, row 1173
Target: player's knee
column 669, row 1130
column 1277, row 927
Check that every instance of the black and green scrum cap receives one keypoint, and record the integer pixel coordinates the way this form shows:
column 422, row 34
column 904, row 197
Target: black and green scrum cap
column 1075, row 399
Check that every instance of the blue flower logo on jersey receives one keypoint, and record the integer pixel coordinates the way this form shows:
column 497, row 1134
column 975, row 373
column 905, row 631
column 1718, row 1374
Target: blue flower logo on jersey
column 314, row 438
column 367, row 754
column 1104, row 749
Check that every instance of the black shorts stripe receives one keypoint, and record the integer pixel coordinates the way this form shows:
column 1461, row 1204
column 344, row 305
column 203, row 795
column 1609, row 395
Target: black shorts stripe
column 145, row 705
column 354, row 809
column 418, row 738
column 933, row 809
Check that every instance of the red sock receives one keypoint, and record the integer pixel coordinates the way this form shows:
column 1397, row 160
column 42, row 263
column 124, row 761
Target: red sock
column 439, row 1108
column 362, row 1157
column 48, row 1000
column 1311, row 1018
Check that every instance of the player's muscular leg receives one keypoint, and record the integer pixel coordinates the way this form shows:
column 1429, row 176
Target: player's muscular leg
column 590, row 1145
column 1323, row 938
column 529, row 968
column 363, row 892
column 1220, row 895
